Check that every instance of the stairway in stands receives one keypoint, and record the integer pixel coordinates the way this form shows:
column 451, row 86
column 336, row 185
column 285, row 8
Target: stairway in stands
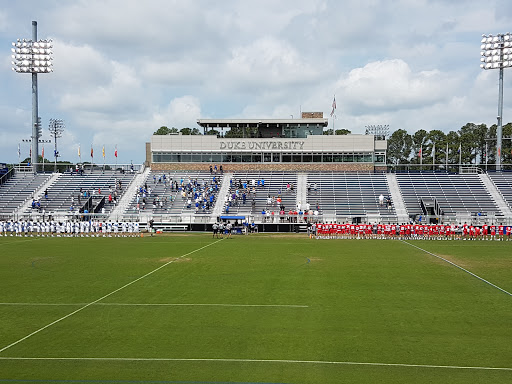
column 221, row 197
column 496, row 194
column 131, row 191
column 397, row 199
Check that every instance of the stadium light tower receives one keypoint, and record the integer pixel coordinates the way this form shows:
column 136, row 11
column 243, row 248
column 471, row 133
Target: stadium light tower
column 496, row 52
column 380, row 131
column 56, row 128
column 33, row 56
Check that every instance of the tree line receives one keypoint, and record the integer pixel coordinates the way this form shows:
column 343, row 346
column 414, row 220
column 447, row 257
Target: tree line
column 471, row 144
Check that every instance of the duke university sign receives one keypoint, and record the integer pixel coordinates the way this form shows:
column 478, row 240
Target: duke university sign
column 262, row 145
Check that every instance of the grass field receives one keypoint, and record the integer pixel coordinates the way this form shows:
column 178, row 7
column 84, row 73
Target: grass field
column 255, row 309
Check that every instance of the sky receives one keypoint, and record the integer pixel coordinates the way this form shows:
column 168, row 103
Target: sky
column 124, row 68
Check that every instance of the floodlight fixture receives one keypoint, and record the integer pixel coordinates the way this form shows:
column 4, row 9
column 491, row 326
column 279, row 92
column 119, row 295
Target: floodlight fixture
column 380, row 131
column 33, row 56
column 496, row 53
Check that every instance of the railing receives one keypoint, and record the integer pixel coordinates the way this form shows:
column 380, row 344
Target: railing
column 7, row 176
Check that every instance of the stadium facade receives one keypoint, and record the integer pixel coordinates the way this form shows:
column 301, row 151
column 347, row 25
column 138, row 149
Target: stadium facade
column 267, row 144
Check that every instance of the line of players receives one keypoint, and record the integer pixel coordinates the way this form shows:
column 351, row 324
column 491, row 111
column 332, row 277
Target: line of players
column 411, row 231
column 69, row 228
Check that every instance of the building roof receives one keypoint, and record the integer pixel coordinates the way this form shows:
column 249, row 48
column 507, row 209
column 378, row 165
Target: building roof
column 220, row 123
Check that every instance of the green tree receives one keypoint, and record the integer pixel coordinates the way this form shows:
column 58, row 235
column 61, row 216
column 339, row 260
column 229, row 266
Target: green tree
column 435, row 138
column 190, row 131
column 343, row 132
column 399, row 147
column 161, row 131
column 213, row 132
column 419, row 141
column 328, row 131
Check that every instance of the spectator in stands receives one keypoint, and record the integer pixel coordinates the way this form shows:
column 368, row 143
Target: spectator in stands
column 381, row 200
column 46, row 193
column 221, row 169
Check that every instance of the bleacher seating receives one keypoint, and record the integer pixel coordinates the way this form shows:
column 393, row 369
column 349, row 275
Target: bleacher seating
column 455, row 193
column 348, row 194
column 69, row 189
column 159, row 197
column 261, row 185
column 20, row 187
column 503, row 181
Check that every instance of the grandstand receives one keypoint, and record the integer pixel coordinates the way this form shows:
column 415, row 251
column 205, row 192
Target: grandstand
column 503, row 182
column 266, row 190
column 169, row 192
column 17, row 190
column 335, row 195
column 455, row 193
column 74, row 190
column 341, row 194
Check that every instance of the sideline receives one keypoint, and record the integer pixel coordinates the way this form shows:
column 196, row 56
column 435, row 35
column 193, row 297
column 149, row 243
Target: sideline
column 105, row 296
column 158, row 305
column 264, row 361
column 458, row 266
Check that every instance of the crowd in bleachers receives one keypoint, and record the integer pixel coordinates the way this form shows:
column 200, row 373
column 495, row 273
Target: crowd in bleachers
column 197, row 194
column 68, row 228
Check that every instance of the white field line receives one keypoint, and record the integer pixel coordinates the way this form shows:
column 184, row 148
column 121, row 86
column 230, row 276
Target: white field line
column 159, row 305
column 458, row 266
column 105, row 296
column 129, row 359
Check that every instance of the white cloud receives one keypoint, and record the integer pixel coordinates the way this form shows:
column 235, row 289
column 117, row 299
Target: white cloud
column 391, row 85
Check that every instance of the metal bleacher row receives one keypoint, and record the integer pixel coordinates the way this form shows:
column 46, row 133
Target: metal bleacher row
column 503, row 181
column 260, row 186
column 337, row 194
column 65, row 191
column 161, row 198
column 455, row 193
column 18, row 189
column 348, row 194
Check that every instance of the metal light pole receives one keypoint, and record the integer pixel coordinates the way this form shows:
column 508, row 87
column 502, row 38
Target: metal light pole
column 56, row 128
column 33, row 56
column 496, row 52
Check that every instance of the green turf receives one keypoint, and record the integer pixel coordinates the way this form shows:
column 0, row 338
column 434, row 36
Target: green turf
column 353, row 301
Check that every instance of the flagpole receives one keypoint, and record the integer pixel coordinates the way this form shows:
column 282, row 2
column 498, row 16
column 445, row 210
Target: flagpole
column 103, row 158
column 460, row 155
column 116, row 157
column 42, row 157
column 433, row 156
column 421, row 156
column 446, row 157
column 19, row 156
column 486, row 157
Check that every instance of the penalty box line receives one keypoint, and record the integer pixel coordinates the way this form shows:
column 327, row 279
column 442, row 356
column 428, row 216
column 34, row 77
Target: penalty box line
column 318, row 362
column 461, row 268
column 104, row 297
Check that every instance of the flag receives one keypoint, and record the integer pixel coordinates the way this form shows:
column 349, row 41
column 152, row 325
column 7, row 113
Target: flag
column 419, row 153
column 115, row 153
column 103, row 152
column 42, row 152
column 333, row 105
column 19, row 151
column 92, row 152
column 460, row 148
column 79, row 151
